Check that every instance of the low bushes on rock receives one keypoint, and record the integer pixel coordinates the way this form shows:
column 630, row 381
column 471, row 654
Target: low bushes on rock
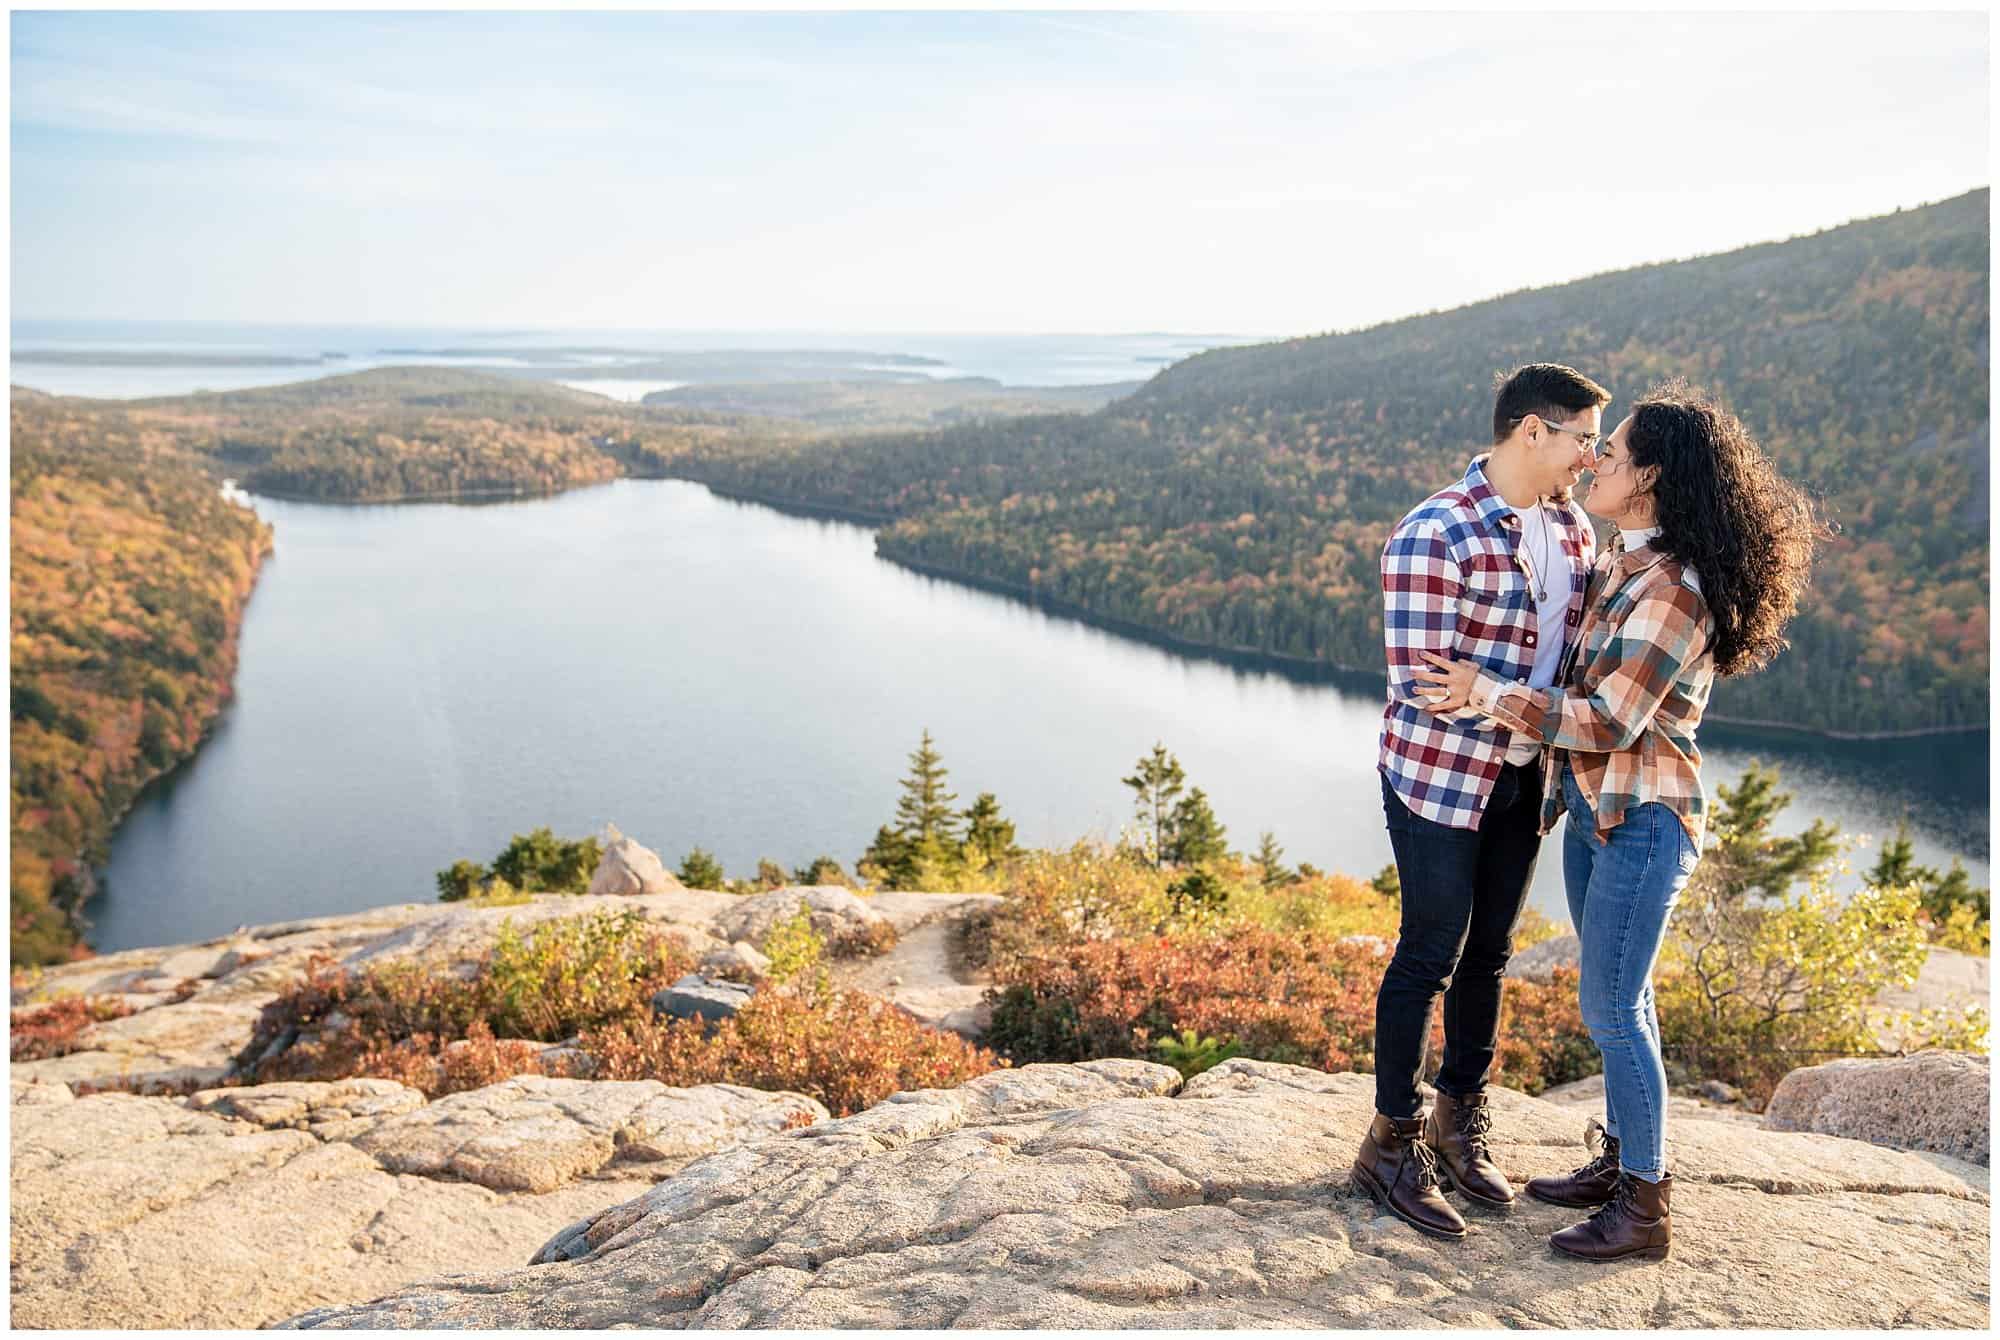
column 55, row 1028
column 393, row 1019
column 869, row 941
column 847, row 1049
column 1302, row 998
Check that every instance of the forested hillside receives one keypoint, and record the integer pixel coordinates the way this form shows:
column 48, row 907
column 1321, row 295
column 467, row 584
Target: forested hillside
column 129, row 578
column 1240, row 498
column 400, row 433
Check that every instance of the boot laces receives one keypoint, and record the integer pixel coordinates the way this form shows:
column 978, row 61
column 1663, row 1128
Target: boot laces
column 1426, row 1160
column 1473, row 1123
column 1621, row 1201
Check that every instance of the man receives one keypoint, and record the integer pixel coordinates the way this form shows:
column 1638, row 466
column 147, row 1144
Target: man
column 1490, row 569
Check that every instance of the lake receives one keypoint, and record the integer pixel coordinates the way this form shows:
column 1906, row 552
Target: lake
column 419, row 682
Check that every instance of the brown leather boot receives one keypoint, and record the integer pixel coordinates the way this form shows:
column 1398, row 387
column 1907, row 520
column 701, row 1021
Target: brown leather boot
column 1397, row 1168
column 1588, row 1186
column 1636, row 1222
column 1456, row 1132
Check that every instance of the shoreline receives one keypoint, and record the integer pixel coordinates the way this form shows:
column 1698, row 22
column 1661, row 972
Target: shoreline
column 1305, row 669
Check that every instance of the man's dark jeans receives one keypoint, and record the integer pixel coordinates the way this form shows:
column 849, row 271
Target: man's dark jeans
column 1462, row 892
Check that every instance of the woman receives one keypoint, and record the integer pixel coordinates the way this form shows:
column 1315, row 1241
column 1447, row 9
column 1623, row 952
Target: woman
column 1714, row 550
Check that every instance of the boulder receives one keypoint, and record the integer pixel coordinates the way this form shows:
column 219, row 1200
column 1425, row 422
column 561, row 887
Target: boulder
column 1111, row 1195
column 834, row 912
column 39, row 1093
column 710, row 1000
column 628, row 868
column 1538, row 962
column 339, row 1109
column 1938, row 1101
column 535, row 1133
column 740, row 962
column 239, row 1207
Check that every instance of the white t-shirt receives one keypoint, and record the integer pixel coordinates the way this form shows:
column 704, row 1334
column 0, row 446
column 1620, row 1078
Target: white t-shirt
column 1541, row 544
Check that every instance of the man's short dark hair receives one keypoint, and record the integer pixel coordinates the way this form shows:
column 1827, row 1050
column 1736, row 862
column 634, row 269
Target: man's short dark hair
column 1550, row 390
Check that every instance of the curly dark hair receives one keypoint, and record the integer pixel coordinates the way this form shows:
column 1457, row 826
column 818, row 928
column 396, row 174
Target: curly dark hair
column 1724, row 509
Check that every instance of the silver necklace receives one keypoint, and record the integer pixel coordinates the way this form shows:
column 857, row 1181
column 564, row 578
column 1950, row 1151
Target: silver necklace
column 1542, row 568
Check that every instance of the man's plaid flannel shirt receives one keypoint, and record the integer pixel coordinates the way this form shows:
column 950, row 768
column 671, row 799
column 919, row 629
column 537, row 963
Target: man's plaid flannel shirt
column 1453, row 583
column 1628, row 718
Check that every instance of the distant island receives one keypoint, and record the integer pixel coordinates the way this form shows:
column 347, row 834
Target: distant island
column 135, row 358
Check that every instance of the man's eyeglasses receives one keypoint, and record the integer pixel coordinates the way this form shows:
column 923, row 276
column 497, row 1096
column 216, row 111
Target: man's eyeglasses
column 1590, row 442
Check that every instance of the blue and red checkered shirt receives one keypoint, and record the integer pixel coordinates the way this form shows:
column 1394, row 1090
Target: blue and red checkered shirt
column 1454, row 583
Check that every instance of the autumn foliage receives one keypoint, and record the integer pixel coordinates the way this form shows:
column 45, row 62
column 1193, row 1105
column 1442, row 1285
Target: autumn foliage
column 130, row 573
column 54, row 1029
column 1300, row 997
column 845, row 1048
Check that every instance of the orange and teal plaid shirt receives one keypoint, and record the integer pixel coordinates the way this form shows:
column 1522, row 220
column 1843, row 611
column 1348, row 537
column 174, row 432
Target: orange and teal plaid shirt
column 1626, row 708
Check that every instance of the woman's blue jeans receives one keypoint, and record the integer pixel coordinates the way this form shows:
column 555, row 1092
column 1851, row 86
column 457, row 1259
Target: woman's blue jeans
column 1621, row 891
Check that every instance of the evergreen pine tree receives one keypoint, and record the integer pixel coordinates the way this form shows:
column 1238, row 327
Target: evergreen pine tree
column 1271, row 857
column 1196, row 834
column 1156, row 786
column 986, row 832
column 1940, row 892
column 700, row 870
column 1943, row 892
column 924, row 815
column 1898, row 862
column 1742, row 831
column 889, row 861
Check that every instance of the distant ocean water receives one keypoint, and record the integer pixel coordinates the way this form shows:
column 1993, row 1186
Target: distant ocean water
column 1013, row 360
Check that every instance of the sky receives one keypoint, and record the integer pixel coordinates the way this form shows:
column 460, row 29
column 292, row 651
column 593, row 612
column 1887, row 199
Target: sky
column 1037, row 172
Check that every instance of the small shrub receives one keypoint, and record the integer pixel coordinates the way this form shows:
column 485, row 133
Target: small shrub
column 1957, row 1028
column 1085, row 893
column 1751, row 987
column 1965, row 930
column 1198, row 896
column 439, row 1066
column 1329, row 905
column 1190, row 1053
column 459, row 881
column 700, row 870
column 793, row 947
column 572, row 972
column 822, row 870
column 847, row 1049
column 55, row 1029
column 869, row 941
column 1535, row 926
column 771, row 875
column 497, row 892
column 972, row 937
column 541, row 862
column 1543, row 1040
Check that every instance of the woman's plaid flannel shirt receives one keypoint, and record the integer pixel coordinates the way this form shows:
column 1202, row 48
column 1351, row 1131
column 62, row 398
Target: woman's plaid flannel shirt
column 1453, row 583
column 1628, row 718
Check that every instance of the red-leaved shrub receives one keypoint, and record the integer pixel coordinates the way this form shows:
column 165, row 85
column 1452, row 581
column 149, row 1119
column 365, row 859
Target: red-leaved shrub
column 1296, row 997
column 847, row 1049
column 44, row 1031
